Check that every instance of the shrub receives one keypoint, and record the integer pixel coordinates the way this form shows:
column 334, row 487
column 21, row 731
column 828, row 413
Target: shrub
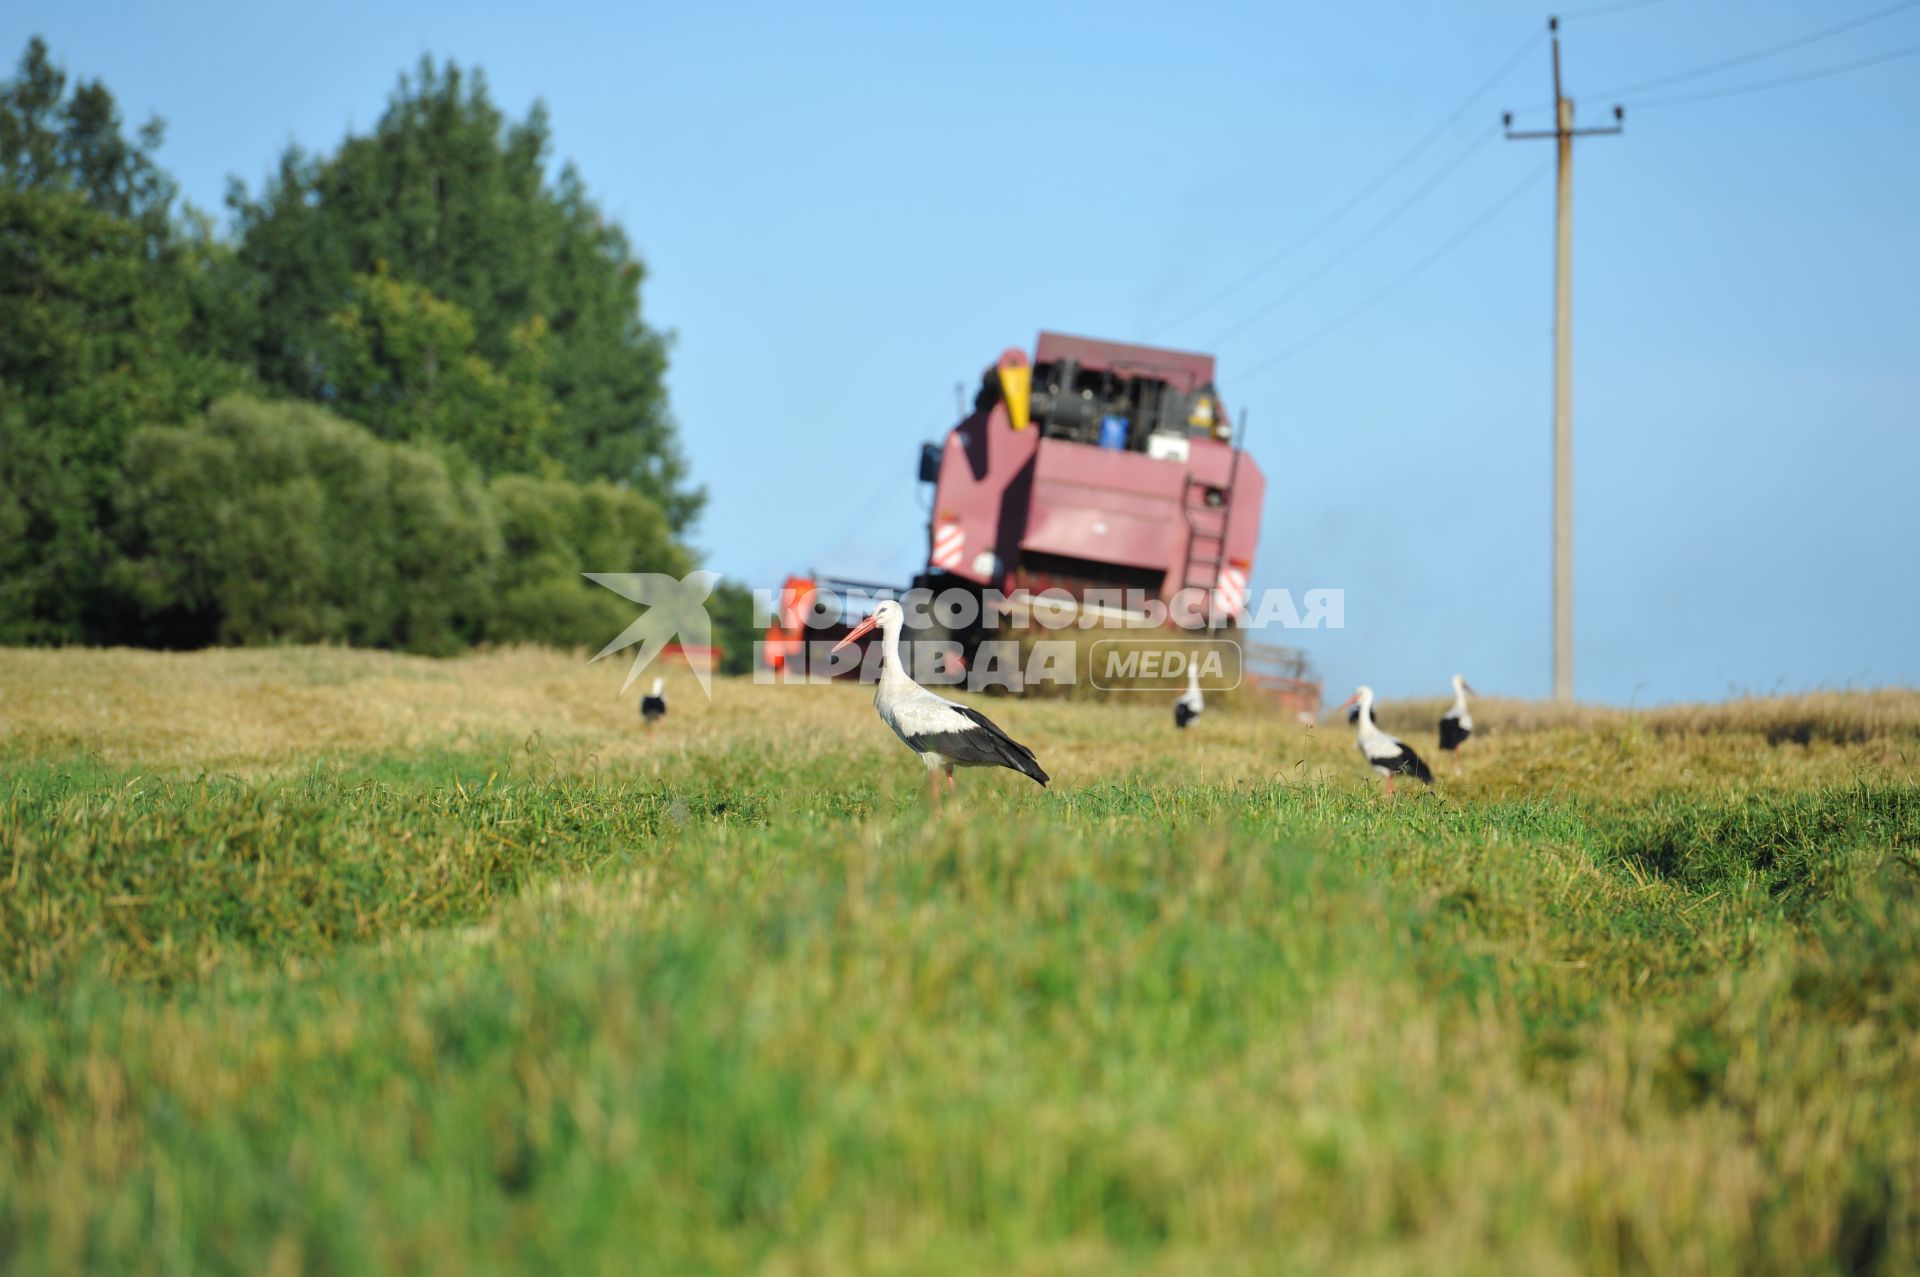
column 552, row 531
column 276, row 522
column 279, row 523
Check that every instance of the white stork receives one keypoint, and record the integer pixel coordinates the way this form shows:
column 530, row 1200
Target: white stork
column 653, row 706
column 1384, row 753
column 1191, row 703
column 1457, row 723
column 946, row 735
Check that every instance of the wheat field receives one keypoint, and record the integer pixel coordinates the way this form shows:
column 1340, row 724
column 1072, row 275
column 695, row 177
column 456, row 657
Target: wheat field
column 327, row 961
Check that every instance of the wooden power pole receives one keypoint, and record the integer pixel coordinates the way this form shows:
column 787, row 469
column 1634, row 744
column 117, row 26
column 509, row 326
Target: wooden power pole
column 1563, row 133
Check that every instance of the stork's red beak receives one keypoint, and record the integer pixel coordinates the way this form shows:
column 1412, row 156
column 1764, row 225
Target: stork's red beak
column 1351, row 700
column 859, row 631
column 1468, row 686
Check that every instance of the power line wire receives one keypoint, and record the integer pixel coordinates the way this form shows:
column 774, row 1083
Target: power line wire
column 1727, row 64
column 1707, row 95
column 1695, row 73
column 1319, row 272
column 1386, row 175
column 1340, row 321
column 1600, row 10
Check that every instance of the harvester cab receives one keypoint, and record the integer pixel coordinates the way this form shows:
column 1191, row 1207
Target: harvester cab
column 1113, row 409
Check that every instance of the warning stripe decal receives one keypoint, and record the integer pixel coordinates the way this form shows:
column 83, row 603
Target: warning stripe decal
column 949, row 544
column 1231, row 593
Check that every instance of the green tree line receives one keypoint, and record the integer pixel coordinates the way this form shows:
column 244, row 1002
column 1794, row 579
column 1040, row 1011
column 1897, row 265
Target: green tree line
column 404, row 400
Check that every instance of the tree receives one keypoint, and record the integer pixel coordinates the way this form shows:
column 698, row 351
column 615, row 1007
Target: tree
column 53, row 141
column 731, row 607
column 448, row 195
column 106, row 315
column 428, row 281
column 95, row 346
column 404, row 363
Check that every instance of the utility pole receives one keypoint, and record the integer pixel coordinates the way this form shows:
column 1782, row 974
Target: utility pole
column 1563, row 133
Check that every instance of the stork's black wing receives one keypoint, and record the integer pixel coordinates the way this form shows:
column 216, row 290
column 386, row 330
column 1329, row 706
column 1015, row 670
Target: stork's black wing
column 1452, row 734
column 982, row 745
column 1404, row 763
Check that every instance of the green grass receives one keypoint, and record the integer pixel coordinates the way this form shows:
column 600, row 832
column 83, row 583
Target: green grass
column 740, row 1004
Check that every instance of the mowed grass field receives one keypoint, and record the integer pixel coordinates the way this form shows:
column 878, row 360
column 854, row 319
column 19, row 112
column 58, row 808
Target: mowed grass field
column 320, row 961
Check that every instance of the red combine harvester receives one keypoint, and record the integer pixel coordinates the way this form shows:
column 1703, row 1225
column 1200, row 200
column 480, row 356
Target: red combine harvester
column 1093, row 470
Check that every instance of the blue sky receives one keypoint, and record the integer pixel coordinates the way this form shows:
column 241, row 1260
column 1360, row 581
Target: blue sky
column 846, row 210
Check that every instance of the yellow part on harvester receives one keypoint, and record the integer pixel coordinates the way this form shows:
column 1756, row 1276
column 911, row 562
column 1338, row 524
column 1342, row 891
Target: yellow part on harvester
column 1016, row 384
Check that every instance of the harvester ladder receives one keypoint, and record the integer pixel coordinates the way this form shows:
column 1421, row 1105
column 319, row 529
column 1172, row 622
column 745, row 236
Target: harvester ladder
column 1206, row 535
column 1207, row 545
